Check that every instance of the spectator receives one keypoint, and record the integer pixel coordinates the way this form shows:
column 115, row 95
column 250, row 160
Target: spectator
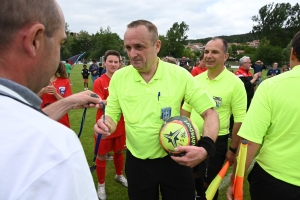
column 58, row 88
column 69, row 68
column 94, row 69
column 85, row 76
column 285, row 68
column 170, row 60
column 100, row 69
column 245, row 75
column 183, row 62
column 274, row 71
column 200, row 68
column 258, row 67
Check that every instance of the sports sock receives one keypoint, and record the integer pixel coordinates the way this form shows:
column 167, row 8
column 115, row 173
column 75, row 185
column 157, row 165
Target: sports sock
column 119, row 163
column 100, row 170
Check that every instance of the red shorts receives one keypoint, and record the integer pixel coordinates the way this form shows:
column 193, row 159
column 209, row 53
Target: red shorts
column 114, row 144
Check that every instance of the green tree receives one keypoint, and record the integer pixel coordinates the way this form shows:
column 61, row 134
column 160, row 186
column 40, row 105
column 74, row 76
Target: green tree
column 106, row 40
column 164, row 47
column 249, row 50
column 230, row 51
column 83, row 42
column 277, row 22
column 286, row 53
column 187, row 52
column 269, row 54
column 176, row 38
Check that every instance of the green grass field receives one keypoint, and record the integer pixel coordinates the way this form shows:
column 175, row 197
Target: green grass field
column 114, row 190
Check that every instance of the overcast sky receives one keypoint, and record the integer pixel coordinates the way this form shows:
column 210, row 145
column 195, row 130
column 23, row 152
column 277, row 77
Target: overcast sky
column 206, row 18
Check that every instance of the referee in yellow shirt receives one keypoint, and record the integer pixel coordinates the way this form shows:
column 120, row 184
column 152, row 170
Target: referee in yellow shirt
column 230, row 97
column 272, row 124
column 144, row 92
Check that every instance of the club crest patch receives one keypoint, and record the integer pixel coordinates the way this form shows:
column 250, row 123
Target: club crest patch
column 218, row 101
column 62, row 90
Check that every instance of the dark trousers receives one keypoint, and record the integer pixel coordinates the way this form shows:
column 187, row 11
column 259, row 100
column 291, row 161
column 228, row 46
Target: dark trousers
column 207, row 174
column 147, row 177
column 263, row 186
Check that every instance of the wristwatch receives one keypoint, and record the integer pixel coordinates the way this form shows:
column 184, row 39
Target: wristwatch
column 233, row 150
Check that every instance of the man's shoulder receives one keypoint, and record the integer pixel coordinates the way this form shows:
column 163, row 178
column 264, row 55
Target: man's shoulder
column 238, row 71
column 124, row 73
column 103, row 78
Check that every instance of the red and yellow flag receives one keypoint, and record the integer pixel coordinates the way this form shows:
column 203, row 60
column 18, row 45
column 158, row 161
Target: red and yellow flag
column 214, row 185
column 237, row 188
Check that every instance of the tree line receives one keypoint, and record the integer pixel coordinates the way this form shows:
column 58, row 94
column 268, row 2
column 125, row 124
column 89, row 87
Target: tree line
column 275, row 25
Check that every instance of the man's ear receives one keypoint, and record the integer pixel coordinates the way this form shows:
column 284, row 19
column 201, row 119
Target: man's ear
column 292, row 54
column 33, row 38
column 158, row 46
column 226, row 56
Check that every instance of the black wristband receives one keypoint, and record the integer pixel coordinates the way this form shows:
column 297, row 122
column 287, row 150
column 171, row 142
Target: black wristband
column 208, row 144
column 233, row 150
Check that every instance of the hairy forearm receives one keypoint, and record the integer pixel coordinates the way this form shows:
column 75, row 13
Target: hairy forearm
column 235, row 138
column 252, row 148
column 211, row 124
column 58, row 109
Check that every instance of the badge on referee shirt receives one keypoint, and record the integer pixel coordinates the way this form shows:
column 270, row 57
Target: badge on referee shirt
column 166, row 113
column 218, row 101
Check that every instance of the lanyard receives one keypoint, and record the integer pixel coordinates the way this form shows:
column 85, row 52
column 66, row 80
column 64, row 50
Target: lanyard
column 93, row 167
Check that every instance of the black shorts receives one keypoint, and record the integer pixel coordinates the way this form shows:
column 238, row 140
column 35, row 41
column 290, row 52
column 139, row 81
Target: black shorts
column 146, row 178
column 215, row 163
column 208, row 169
column 264, row 186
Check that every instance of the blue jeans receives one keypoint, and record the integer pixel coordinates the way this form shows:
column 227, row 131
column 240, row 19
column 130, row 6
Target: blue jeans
column 94, row 78
column 259, row 81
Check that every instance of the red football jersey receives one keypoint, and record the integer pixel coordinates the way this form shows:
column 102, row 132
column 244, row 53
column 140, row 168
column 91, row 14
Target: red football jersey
column 101, row 85
column 63, row 88
column 197, row 70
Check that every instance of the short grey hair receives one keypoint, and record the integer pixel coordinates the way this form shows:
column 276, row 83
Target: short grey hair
column 15, row 14
column 149, row 25
column 243, row 59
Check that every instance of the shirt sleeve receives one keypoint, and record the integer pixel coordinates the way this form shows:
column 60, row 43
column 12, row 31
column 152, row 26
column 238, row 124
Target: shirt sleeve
column 187, row 107
column 239, row 102
column 198, row 98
